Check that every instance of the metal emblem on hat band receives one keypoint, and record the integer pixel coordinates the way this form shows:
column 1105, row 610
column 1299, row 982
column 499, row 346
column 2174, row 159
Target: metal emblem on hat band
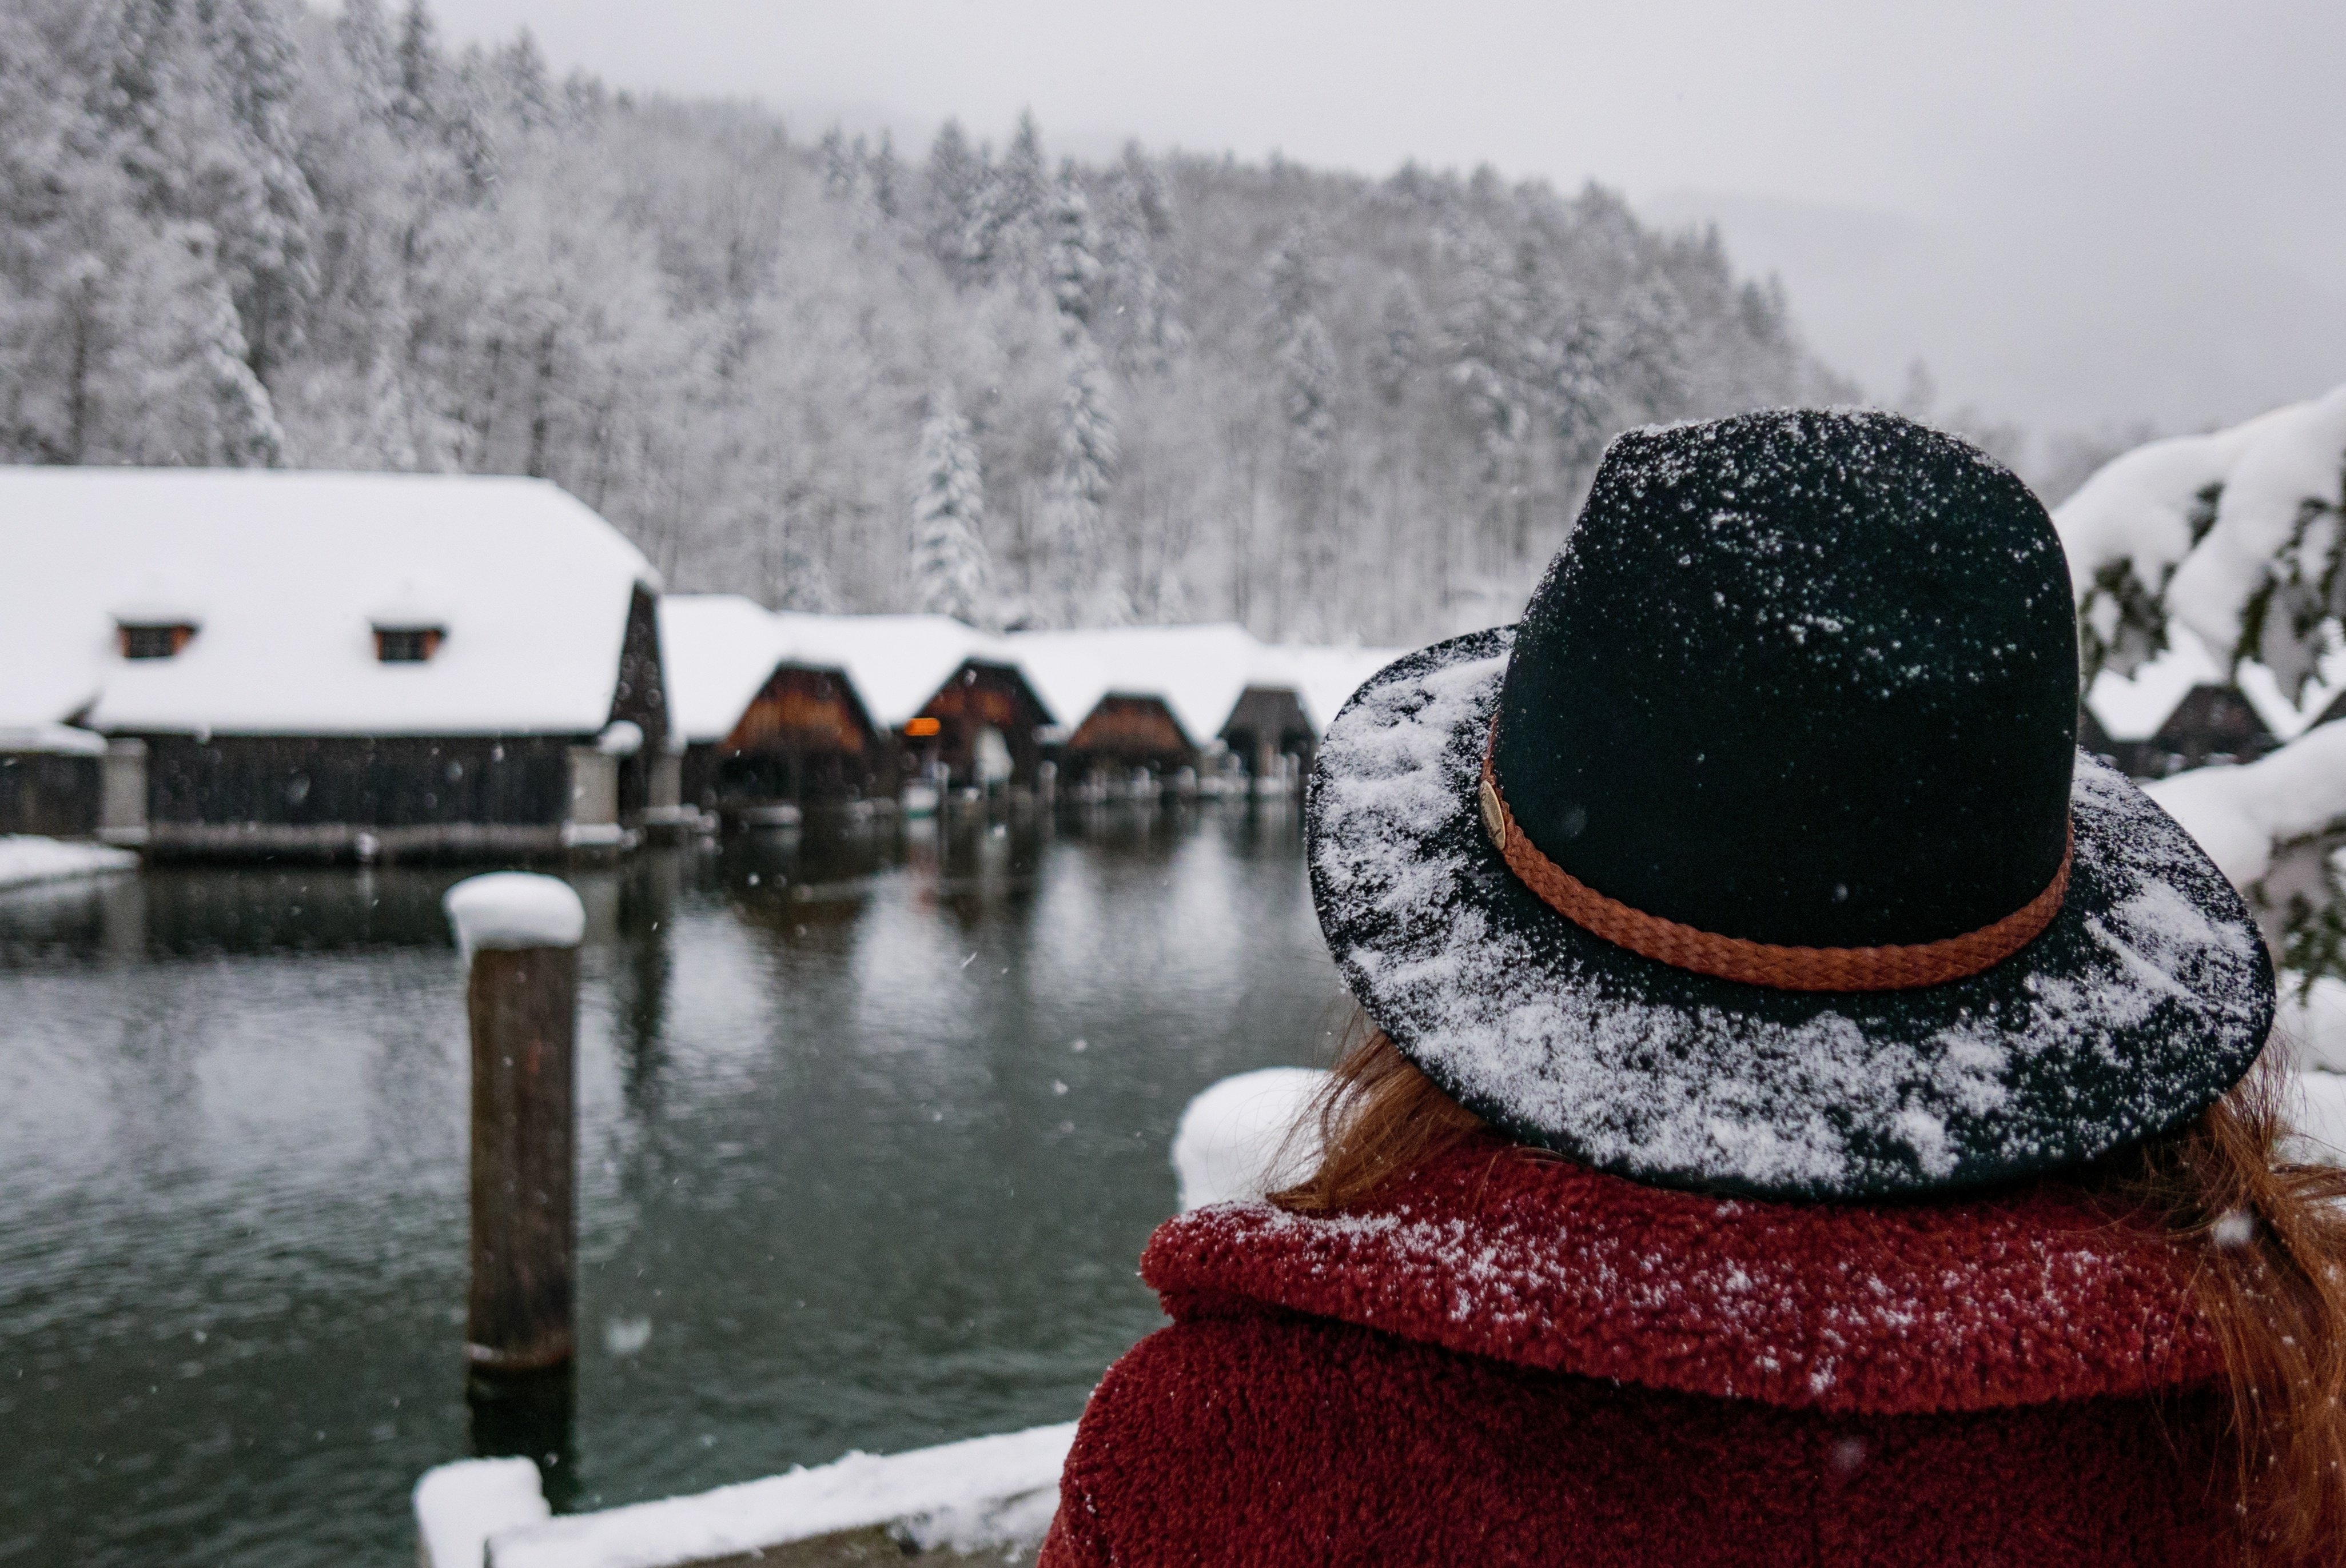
column 1495, row 811
column 1782, row 968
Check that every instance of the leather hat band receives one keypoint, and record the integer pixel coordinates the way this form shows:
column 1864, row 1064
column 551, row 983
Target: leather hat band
column 1898, row 968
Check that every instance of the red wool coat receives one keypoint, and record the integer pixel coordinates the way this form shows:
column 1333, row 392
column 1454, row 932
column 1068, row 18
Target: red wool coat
column 1507, row 1358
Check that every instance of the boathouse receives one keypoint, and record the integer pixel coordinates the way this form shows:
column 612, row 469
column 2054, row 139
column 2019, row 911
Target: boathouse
column 1129, row 732
column 982, row 728
column 335, row 665
column 2214, row 722
column 952, row 704
column 1142, row 703
column 1267, row 724
column 2183, row 709
column 762, row 727
column 1233, row 703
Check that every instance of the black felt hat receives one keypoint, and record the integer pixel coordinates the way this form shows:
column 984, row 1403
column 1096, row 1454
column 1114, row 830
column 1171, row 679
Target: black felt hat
column 1760, row 857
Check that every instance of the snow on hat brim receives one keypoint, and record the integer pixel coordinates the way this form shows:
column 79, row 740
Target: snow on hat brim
column 2146, row 998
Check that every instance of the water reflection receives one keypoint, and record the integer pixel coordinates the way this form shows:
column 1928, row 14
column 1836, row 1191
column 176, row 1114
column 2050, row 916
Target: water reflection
column 873, row 1124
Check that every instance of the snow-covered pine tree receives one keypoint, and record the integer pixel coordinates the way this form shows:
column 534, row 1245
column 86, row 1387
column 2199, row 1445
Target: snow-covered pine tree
column 267, row 222
column 64, row 225
column 1300, row 350
column 1648, row 361
column 883, row 178
column 839, row 164
column 1487, row 324
column 949, row 196
column 147, row 107
column 1304, row 372
column 1077, row 586
column 1143, row 325
column 243, row 432
column 390, row 426
column 366, row 38
column 417, row 69
column 529, row 100
column 468, row 113
column 1004, row 239
column 1400, row 343
column 949, row 563
column 1073, row 253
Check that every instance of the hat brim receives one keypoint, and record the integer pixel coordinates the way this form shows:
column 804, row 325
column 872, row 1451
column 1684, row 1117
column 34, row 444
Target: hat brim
column 2144, row 999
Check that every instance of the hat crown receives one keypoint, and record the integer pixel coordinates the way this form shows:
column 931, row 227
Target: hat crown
column 1799, row 678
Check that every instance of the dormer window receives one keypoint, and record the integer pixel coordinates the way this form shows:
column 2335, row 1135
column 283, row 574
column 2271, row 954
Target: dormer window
column 407, row 644
column 152, row 639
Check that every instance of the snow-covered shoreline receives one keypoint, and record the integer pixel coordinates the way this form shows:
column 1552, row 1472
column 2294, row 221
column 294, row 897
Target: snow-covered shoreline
column 26, row 861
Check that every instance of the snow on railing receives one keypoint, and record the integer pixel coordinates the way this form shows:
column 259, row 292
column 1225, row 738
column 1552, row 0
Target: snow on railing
column 989, row 1496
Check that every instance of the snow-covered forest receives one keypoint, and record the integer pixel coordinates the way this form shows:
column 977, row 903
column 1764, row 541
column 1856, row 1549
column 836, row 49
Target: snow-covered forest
column 833, row 373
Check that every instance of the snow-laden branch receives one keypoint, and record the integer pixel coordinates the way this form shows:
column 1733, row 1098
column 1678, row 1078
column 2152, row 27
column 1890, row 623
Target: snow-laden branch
column 2240, row 815
column 2235, row 533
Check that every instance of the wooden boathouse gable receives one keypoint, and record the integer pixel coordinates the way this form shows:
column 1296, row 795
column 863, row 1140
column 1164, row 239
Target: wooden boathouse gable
column 948, row 735
column 2213, row 723
column 1130, row 731
column 805, row 737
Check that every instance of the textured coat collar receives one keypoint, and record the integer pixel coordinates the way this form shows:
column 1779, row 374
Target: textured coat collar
column 2026, row 1297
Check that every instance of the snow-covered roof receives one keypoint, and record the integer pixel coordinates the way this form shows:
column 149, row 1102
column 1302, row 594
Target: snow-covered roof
column 718, row 650
column 286, row 576
column 1197, row 671
column 2133, row 707
column 1325, row 677
column 59, row 739
column 896, row 663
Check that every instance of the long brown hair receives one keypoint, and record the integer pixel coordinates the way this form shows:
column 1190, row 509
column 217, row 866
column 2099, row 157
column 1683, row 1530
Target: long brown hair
column 2266, row 1237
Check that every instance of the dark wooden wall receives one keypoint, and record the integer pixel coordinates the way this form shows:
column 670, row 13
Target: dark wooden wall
column 976, row 695
column 366, row 780
column 49, row 793
column 1129, row 732
column 641, row 697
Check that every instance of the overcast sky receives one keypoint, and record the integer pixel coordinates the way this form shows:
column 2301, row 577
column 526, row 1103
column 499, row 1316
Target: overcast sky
column 2077, row 212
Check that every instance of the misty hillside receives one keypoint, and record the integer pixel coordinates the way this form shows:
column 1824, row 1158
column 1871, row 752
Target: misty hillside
column 831, row 374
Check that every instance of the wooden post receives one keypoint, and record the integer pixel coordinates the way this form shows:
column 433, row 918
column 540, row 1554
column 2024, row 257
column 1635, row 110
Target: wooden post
column 523, row 1006
column 522, row 933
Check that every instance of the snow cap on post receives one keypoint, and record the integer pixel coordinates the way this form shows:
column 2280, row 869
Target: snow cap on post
column 514, row 909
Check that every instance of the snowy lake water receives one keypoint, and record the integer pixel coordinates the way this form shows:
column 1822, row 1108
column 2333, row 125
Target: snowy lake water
column 873, row 1128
